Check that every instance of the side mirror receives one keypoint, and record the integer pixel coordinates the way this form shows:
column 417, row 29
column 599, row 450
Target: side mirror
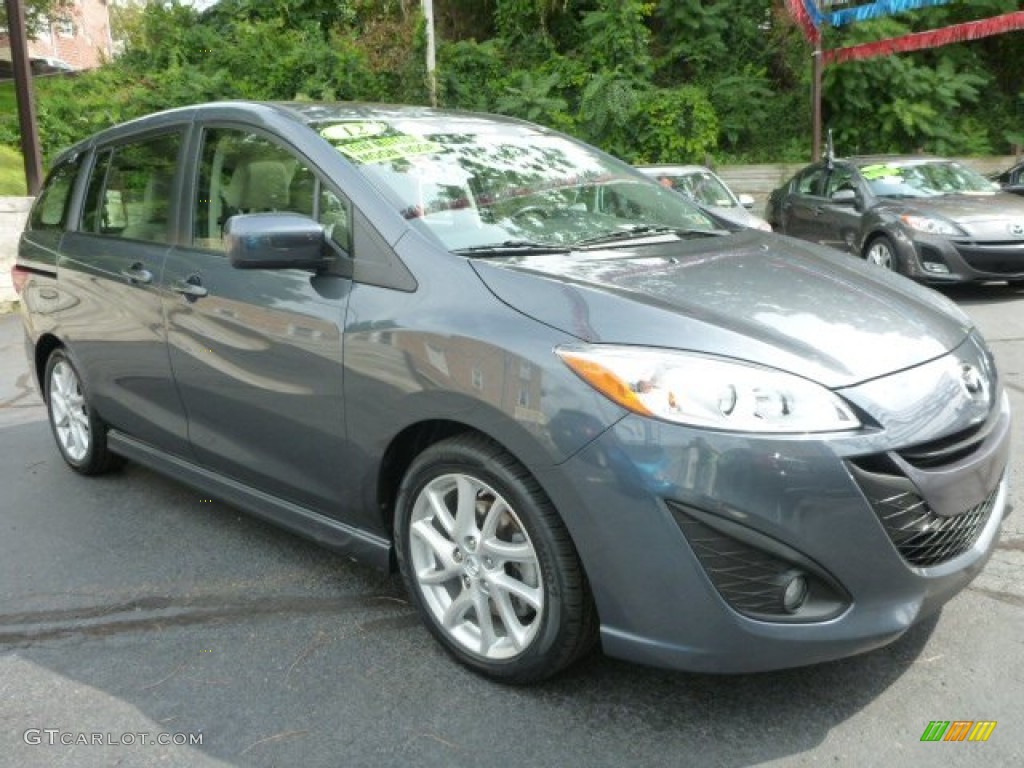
column 844, row 197
column 747, row 201
column 275, row 241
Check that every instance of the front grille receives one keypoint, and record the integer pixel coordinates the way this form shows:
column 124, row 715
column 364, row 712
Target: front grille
column 945, row 450
column 752, row 575
column 995, row 258
column 921, row 536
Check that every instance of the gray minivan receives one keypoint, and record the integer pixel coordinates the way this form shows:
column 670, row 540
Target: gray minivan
column 554, row 394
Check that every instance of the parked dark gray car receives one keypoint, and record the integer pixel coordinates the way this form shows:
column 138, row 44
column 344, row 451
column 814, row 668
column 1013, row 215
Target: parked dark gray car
column 543, row 386
column 1012, row 179
column 931, row 219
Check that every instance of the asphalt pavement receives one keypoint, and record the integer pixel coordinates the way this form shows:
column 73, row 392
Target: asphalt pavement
column 131, row 609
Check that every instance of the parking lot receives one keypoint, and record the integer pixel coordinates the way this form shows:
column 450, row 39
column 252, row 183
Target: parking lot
column 130, row 607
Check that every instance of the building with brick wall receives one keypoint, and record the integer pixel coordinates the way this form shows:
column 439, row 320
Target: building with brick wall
column 82, row 40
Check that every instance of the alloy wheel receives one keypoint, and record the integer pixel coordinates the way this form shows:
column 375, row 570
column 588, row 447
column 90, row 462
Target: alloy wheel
column 880, row 254
column 476, row 567
column 69, row 411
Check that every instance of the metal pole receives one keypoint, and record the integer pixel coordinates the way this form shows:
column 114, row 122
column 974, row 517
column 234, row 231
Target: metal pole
column 816, row 77
column 428, row 15
column 23, row 93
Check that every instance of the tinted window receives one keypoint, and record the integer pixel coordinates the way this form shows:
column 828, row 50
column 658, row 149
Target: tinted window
column 841, row 178
column 51, row 209
column 809, row 182
column 129, row 193
column 247, row 173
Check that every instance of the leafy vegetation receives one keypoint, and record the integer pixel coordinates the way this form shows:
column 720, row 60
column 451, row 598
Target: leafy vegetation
column 12, row 172
column 648, row 80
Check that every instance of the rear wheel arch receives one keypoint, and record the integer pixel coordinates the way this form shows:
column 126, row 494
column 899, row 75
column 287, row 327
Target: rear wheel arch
column 44, row 348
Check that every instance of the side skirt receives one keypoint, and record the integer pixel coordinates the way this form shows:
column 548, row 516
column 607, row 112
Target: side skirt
column 365, row 547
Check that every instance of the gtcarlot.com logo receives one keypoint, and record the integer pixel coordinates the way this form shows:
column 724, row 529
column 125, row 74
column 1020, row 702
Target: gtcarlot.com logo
column 958, row 730
column 55, row 736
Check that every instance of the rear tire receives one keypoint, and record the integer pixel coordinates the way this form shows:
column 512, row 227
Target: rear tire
column 489, row 563
column 80, row 434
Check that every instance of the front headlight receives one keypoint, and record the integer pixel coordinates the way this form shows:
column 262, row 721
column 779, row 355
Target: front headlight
column 930, row 225
column 704, row 391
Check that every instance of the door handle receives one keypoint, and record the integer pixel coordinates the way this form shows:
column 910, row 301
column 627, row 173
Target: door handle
column 191, row 288
column 136, row 273
column 818, row 211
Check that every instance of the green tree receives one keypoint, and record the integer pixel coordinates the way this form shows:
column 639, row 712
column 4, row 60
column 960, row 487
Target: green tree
column 39, row 14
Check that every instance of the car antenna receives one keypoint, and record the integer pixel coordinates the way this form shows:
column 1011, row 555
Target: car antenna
column 830, row 151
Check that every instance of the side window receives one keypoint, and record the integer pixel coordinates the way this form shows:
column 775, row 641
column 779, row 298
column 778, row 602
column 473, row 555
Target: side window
column 129, row 192
column 51, row 209
column 810, row 181
column 840, row 178
column 243, row 172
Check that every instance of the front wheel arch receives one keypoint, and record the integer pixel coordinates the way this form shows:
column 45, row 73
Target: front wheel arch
column 566, row 626
column 873, row 248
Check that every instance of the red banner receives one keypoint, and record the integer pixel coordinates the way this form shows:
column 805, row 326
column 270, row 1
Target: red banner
column 958, row 33
column 799, row 13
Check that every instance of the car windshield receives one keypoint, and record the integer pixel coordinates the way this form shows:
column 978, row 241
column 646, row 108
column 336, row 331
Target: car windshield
column 704, row 187
column 476, row 183
column 931, row 178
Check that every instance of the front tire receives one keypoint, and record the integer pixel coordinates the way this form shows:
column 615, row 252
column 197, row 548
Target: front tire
column 80, row 434
column 882, row 253
column 489, row 564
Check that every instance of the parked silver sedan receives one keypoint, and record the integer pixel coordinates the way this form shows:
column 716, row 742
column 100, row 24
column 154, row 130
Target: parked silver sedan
column 701, row 185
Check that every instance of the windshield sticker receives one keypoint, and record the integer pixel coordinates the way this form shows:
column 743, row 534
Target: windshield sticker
column 387, row 148
column 875, row 172
column 345, row 131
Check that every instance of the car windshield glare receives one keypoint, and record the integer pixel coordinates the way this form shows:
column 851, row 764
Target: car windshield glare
column 474, row 183
column 924, row 179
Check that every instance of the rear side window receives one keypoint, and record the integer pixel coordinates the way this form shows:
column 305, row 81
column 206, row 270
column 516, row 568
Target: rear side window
column 51, row 209
column 129, row 192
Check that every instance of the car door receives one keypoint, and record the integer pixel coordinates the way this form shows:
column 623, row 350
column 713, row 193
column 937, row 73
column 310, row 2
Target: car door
column 111, row 315
column 839, row 224
column 801, row 208
column 257, row 353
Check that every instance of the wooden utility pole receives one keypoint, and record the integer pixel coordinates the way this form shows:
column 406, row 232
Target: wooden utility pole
column 428, row 15
column 23, row 92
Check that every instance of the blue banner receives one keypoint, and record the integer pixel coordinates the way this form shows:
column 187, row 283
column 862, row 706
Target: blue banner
column 874, row 10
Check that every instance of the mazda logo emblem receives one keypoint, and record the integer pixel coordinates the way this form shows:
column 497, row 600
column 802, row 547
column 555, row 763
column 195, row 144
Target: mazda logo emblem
column 972, row 380
column 1017, row 229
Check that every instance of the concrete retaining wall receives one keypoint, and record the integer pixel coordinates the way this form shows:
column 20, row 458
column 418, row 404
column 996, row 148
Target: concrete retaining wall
column 13, row 213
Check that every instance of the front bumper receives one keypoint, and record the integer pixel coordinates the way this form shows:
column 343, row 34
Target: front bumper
column 659, row 603
column 963, row 259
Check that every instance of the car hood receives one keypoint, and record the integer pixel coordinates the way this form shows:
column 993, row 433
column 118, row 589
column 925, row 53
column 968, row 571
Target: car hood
column 968, row 209
column 750, row 295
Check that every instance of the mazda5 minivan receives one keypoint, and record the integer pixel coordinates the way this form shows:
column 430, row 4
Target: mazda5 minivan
column 565, row 403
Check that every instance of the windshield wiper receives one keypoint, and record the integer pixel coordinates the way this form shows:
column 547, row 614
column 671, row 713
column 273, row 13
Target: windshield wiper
column 643, row 230
column 512, row 246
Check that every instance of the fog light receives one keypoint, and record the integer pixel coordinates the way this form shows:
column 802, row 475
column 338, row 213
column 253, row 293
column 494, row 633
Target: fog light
column 932, row 266
column 795, row 593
